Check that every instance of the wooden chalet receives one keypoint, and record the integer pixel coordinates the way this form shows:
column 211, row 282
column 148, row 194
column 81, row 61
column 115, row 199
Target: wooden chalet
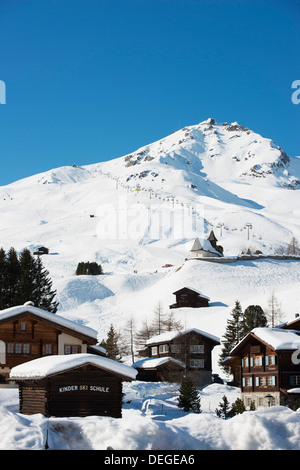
column 187, row 297
column 27, row 333
column 266, row 365
column 162, row 369
column 191, row 349
column 74, row 385
column 42, row 250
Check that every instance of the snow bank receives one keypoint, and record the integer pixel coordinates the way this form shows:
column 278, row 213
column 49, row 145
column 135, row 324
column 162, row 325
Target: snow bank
column 49, row 365
column 152, row 421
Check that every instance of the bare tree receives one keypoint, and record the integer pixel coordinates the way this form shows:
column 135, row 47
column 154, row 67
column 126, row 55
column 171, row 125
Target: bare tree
column 293, row 247
column 274, row 312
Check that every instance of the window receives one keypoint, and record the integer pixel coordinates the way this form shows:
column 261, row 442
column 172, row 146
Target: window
column 263, row 381
column 23, row 326
column 197, row 363
column 72, row 348
column 18, row 348
column 270, row 360
column 295, row 380
column 196, row 348
column 245, row 362
column 10, row 348
column 271, row 380
column 248, row 381
column 26, row 348
column 258, row 361
column 48, row 348
column 163, row 348
column 154, row 351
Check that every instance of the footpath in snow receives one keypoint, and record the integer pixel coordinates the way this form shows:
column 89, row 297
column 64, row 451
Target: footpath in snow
column 152, row 421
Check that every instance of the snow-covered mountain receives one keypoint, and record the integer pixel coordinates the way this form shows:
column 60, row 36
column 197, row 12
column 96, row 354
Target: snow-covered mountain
column 139, row 212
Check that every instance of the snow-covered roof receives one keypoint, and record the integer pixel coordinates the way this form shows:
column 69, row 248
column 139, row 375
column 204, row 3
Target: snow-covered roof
column 204, row 245
column 170, row 335
column 151, row 363
column 194, row 290
column 53, row 317
column 277, row 338
column 50, row 365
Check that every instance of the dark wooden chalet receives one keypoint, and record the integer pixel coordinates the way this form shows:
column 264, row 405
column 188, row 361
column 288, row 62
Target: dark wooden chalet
column 192, row 348
column 266, row 365
column 162, row 369
column 42, row 250
column 76, row 385
column 187, row 297
column 27, row 332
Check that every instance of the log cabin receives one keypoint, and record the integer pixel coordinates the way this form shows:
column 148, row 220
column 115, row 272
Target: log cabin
column 74, row 385
column 192, row 351
column 188, row 297
column 266, row 366
column 27, row 333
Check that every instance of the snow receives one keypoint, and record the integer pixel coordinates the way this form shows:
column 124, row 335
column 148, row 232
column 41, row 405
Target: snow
column 149, row 363
column 278, row 339
column 50, row 365
column 152, row 421
column 169, row 335
column 209, row 176
column 27, row 307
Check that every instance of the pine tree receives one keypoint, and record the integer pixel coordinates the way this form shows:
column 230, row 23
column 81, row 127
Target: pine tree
column 189, row 398
column 12, row 279
column 43, row 295
column 3, row 267
column 224, row 410
column 111, row 345
column 27, row 277
column 238, row 407
column 254, row 317
column 233, row 334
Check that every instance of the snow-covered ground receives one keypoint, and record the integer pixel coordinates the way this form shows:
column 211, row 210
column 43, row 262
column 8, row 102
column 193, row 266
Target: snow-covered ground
column 152, row 421
column 134, row 215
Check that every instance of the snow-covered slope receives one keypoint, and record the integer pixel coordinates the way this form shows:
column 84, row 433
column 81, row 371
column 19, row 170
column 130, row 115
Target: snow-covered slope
column 139, row 212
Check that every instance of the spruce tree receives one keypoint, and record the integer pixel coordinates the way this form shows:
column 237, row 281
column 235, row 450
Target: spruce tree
column 111, row 345
column 189, row 398
column 12, row 279
column 224, row 411
column 233, row 333
column 3, row 267
column 43, row 295
column 238, row 407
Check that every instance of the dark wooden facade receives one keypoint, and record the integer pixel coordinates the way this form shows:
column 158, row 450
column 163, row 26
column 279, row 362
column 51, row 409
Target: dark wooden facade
column 187, row 297
column 26, row 335
column 262, row 371
column 80, row 391
column 169, row 371
column 42, row 250
column 192, row 347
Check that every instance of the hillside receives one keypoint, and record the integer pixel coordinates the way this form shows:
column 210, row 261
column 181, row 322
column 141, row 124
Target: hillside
column 141, row 211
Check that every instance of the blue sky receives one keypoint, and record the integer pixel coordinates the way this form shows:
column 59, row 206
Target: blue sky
column 91, row 80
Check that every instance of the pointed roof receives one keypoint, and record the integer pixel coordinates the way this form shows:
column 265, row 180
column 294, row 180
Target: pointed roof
column 204, row 245
column 197, row 245
column 212, row 236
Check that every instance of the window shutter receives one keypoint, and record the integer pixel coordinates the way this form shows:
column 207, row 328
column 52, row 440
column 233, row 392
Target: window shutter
column 257, row 381
column 267, row 360
column 273, row 379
